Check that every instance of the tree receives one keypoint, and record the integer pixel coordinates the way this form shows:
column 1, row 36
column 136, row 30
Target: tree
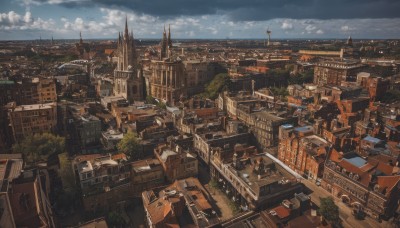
column 282, row 91
column 115, row 220
column 39, row 147
column 330, row 211
column 130, row 146
column 278, row 77
column 217, row 85
column 391, row 96
column 152, row 100
column 68, row 195
column 306, row 77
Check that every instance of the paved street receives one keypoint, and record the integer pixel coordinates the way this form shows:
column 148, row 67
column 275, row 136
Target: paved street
column 348, row 219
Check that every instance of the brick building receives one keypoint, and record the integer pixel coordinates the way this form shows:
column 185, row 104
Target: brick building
column 370, row 185
column 176, row 163
column 171, row 206
column 335, row 72
column 254, row 181
column 302, row 151
column 32, row 119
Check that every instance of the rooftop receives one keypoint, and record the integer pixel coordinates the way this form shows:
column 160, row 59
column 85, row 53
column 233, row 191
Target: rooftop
column 304, row 129
column 145, row 165
column 356, row 161
column 372, row 139
column 259, row 171
column 35, row 107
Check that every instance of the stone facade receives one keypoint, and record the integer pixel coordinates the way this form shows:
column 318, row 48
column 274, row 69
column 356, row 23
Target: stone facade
column 128, row 76
column 168, row 81
column 336, row 72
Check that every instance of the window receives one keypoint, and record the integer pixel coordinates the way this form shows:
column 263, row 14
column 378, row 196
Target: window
column 134, row 89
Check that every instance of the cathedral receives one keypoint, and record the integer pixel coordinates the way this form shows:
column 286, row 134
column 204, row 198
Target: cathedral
column 128, row 75
column 167, row 81
column 82, row 48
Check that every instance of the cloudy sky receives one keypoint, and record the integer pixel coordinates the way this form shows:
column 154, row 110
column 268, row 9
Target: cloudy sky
column 30, row 19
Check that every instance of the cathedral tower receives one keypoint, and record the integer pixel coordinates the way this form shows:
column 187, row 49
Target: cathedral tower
column 128, row 75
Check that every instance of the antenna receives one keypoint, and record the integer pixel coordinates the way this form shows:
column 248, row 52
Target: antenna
column 269, row 36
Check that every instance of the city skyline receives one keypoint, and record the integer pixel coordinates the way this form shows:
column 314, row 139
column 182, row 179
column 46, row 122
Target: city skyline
column 64, row 19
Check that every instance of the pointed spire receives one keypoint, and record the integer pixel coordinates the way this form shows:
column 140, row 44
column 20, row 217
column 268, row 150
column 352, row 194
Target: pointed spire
column 169, row 41
column 80, row 37
column 126, row 33
column 126, row 24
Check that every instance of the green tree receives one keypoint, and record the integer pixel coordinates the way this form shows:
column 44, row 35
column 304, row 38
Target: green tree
column 213, row 183
column 220, row 83
column 39, row 147
column 391, row 96
column 280, row 91
column 279, row 77
column 152, row 100
column 69, row 192
column 66, row 173
column 330, row 211
column 305, row 77
column 115, row 220
column 130, row 145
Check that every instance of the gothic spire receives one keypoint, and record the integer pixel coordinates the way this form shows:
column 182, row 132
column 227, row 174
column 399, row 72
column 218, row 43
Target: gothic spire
column 80, row 35
column 126, row 28
column 164, row 44
column 169, row 41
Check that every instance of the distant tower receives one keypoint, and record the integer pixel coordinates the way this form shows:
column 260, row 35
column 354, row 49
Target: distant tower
column 349, row 41
column 169, row 41
column 52, row 40
column 269, row 36
column 128, row 75
column 166, row 44
column 83, row 48
column 80, row 37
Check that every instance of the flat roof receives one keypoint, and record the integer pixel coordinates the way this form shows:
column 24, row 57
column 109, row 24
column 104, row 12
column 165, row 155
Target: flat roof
column 356, row 161
column 274, row 173
column 34, row 107
column 372, row 139
column 304, row 129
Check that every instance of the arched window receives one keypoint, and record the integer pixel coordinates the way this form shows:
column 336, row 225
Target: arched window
column 134, row 89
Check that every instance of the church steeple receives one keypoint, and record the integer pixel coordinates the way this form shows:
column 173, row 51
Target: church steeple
column 164, row 45
column 126, row 28
column 128, row 77
column 169, row 41
column 80, row 39
column 349, row 41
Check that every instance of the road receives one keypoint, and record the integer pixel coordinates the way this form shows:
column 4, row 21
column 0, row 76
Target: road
column 348, row 219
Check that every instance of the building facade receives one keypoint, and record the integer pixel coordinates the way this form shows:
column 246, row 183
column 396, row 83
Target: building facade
column 168, row 79
column 336, row 72
column 27, row 120
column 176, row 162
column 128, row 76
column 302, row 151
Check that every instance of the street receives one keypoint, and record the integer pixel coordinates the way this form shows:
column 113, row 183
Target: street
column 345, row 214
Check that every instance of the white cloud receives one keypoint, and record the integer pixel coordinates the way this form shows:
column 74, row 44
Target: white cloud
column 106, row 23
column 286, row 25
column 15, row 21
column 28, row 17
column 310, row 28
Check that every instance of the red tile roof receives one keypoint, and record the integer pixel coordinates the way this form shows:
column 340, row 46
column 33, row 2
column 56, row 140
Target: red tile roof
column 282, row 211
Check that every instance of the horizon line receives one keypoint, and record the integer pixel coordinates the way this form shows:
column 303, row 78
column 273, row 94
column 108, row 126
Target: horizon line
column 276, row 39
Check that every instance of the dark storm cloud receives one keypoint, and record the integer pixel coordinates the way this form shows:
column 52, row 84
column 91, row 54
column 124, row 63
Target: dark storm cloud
column 242, row 10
